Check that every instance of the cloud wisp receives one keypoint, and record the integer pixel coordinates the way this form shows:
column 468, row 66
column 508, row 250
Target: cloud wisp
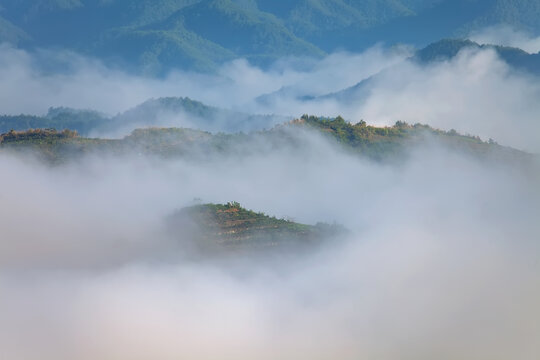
column 507, row 36
column 32, row 82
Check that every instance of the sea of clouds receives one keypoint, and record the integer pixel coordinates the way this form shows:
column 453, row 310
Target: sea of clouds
column 442, row 259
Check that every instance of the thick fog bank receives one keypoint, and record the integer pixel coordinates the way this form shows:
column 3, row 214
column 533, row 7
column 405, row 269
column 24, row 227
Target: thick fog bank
column 442, row 260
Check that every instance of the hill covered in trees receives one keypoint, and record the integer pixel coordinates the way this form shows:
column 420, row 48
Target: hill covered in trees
column 376, row 143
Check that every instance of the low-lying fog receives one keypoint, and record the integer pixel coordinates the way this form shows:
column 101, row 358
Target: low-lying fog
column 442, row 260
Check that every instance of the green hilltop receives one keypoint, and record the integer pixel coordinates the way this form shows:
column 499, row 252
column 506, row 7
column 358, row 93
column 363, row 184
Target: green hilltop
column 216, row 227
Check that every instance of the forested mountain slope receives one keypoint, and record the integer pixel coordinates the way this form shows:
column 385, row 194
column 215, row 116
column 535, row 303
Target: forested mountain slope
column 156, row 36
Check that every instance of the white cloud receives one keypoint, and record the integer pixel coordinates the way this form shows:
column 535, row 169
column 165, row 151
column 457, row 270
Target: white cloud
column 507, row 36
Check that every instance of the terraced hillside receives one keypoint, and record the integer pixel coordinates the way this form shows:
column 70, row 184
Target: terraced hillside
column 215, row 227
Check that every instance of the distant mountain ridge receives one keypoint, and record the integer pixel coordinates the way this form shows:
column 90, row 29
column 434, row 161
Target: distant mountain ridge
column 448, row 48
column 443, row 50
column 157, row 35
column 164, row 112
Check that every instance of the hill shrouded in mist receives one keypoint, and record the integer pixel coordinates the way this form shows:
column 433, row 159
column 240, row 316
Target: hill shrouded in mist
column 161, row 112
column 229, row 227
column 389, row 144
column 447, row 50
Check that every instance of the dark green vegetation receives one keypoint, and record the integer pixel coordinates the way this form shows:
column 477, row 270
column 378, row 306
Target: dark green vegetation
column 214, row 227
column 37, row 135
column 157, row 35
column 149, row 113
column 376, row 143
column 392, row 143
column 82, row 121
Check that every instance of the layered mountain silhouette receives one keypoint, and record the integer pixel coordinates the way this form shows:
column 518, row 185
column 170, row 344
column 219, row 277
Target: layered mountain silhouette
column 160, row 112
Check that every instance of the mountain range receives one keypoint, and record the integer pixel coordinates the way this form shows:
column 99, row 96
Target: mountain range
column 159, row 35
